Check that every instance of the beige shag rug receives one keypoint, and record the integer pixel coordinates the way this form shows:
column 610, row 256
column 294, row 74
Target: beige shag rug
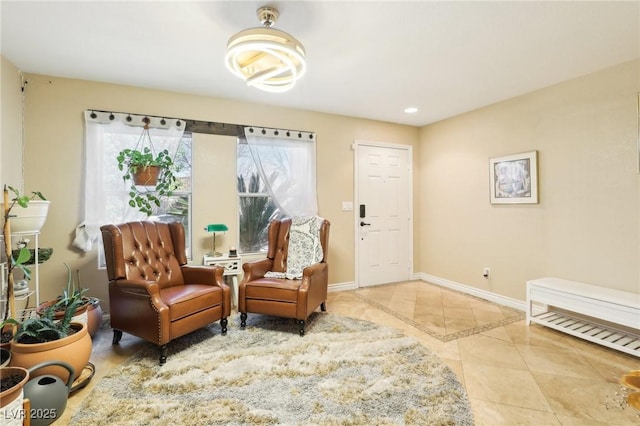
column 342, row 372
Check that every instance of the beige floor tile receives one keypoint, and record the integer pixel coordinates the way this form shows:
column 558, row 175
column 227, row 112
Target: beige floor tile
column 459, row 313
column 481, row 349
column 574, row 421
column 492, row 414
column 454, row 325
column 609, row 363
column 562, row 362
column 454, row 300
column 503, row 385
column 484, row 316
column 498, row 333
column 536, row 335
column 586, row 399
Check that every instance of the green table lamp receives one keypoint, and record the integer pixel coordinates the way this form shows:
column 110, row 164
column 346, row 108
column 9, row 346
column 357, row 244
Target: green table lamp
column 217, row 227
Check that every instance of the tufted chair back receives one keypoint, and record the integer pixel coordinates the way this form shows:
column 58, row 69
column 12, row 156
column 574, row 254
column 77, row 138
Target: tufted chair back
column 151, row 251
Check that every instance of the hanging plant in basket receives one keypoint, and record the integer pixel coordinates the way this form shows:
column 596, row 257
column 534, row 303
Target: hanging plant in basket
column 151, row 174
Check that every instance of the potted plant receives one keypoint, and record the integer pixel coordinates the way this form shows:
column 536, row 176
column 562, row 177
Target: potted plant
column 145, row 169
column 43, row 338
column 12, row 380
column 31, row 215
column 87, row 311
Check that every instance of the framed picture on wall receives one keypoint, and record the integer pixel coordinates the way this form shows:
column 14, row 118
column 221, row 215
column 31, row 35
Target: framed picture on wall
column 514, row 178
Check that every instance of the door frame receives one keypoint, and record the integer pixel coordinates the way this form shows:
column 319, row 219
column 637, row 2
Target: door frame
column 356, row 208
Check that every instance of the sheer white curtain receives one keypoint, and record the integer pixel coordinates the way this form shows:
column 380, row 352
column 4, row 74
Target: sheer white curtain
column 106, row 198
column 286, row 162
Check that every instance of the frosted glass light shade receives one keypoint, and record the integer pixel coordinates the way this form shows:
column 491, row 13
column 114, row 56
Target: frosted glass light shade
column 266, row 58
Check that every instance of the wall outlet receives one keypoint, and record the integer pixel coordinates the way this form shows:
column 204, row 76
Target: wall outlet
column 485, row 272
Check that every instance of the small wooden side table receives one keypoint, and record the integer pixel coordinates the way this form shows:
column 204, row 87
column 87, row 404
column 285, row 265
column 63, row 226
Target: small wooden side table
column 232, row 268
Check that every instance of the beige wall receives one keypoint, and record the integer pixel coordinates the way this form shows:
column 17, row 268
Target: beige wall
column 10, row 124
column 587, row 224
column 54, row 153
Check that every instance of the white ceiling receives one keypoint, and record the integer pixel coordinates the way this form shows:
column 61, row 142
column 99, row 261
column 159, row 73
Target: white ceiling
column 365, row 59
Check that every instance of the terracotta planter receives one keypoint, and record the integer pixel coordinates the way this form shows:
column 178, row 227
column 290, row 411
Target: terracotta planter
column 6, row 345
column 94, row 316
column 79, row 316
column 147, row 176
column 5, row 357
column 13, row 395
column 74, row 350
column 89, row 313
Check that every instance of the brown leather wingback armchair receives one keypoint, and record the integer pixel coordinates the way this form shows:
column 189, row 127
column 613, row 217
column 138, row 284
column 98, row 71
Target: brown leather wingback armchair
column 153, row 293
column 287, row 298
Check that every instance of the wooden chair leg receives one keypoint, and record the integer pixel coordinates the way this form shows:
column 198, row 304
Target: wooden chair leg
column 163, row 354
column 243, row 320
column 117, row 335
column 323, row 306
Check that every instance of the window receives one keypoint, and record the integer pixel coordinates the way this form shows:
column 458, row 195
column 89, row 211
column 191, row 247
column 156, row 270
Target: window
column 106, row 193
column 256, row 208
column 276, row 178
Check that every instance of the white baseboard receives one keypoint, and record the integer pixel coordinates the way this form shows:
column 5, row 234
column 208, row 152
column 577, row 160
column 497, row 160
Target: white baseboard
column 351, row 285
column 482, row 294
column 463, row 288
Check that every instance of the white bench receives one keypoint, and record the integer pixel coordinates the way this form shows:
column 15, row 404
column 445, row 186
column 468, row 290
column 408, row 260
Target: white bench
column 601, row 315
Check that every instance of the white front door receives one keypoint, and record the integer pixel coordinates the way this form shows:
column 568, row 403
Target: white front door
column 383, row 213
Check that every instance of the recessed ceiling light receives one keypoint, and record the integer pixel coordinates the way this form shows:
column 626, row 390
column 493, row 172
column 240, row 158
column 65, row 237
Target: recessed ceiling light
column 411, row 110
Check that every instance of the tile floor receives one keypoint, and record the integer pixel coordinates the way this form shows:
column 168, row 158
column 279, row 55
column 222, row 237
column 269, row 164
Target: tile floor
column 513, row 374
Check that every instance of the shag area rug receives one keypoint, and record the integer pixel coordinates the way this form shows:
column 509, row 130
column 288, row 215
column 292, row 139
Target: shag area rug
column 342, row 372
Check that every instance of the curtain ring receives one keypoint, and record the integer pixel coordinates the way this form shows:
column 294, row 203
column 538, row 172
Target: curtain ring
column 146, row 120
column 276, row 132
column 129, row 118
column 310, row 136
column 93, row 114
column 112, row 117
column 264, row 132
column 178, row 123
column 250, row 129
column 299, row 135
column 288, row 133
column 163, row 121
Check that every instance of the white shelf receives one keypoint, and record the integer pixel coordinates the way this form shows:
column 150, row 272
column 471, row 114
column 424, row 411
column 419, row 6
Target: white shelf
column 601, row 315
column 592, row 331
column 35, row 274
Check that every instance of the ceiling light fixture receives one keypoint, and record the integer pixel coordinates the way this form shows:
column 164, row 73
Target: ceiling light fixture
column 266, row 58
column 411, row 110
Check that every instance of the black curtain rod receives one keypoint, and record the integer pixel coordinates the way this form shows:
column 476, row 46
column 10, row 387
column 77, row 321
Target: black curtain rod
column 193, row 126
column 213, row 128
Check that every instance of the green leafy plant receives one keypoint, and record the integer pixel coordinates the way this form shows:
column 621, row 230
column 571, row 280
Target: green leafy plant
column 49, row 325
column 23, row 200
column 130, row 161
column 45, row 328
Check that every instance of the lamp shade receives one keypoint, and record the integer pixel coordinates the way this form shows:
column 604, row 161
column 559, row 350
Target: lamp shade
column 217, row 227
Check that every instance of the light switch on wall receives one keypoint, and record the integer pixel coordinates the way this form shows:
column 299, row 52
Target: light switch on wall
column 347, row 206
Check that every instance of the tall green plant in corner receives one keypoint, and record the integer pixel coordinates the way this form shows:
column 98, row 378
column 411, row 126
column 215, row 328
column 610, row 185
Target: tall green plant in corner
column 156, row 172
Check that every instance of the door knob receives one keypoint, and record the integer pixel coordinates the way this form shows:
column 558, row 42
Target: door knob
column 364, row 224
